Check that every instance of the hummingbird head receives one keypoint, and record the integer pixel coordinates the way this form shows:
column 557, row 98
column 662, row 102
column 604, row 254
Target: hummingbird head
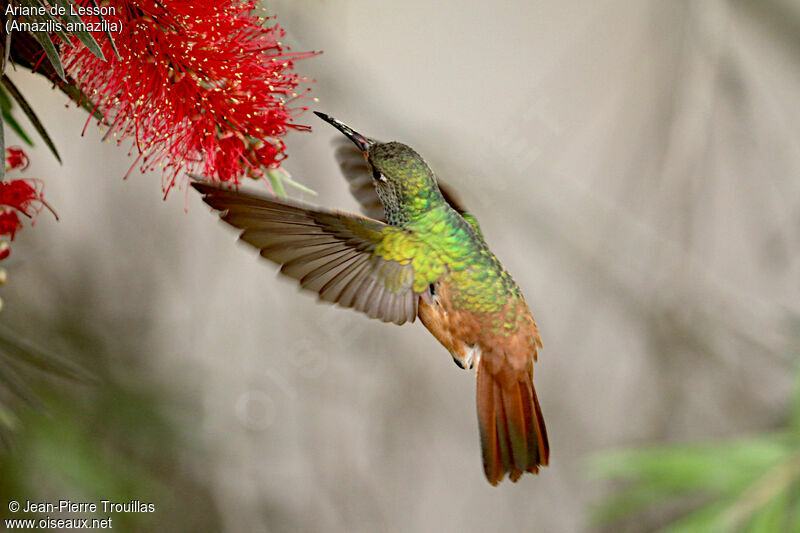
column 403, row 180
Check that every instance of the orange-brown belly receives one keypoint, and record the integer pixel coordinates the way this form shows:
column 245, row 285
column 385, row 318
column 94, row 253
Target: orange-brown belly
column 458, row 331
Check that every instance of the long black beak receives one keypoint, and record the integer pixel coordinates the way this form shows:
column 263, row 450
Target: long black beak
column 359, row 140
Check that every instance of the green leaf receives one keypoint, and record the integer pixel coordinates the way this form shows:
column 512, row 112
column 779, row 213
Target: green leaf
column 722, row 468
column 275, row 180
column 5, row 111
column 795, row 414
column 793, row 518
column 36, row 5
column 289, row 181
column 6, row 52
column 632, row 500
column 28, row 110
column 84, row 36
column 706, row 519
column 17, row 349
column 108, row 33
column 44, row 38
column 5, row 102
column 715, row 472
column 277, row 177
column 50, row 50
column 773, row 516
column 8, row 419
column 16, row 385
column 11, row 121
column 74, row 457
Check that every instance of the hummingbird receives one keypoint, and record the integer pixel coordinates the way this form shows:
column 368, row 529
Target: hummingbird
column 416, row 254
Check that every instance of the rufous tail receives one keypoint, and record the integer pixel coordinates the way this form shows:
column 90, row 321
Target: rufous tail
column 513, row 434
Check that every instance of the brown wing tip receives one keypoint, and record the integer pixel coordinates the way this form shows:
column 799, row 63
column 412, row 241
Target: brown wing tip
column 207, row 189
column 204, row 188
column 200, row 183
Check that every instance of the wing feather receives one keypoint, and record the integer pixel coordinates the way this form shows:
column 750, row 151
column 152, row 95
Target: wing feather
column 330, row 253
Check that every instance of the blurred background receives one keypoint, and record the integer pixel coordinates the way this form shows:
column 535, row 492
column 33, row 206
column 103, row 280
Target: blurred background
column 634, row 165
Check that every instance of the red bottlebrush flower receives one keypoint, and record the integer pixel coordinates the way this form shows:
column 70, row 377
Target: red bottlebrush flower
column 227, row 156
column 16, row 159
column 18, row 194
column 9, row 223
column 24, row 195
column 197, row 86
column 267, row 153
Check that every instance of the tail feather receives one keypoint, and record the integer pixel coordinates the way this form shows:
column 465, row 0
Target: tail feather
column 513, row 434
column 517, row 425
column 503, row 449
column 490, row 444
column 527, row 394
column 543, row 445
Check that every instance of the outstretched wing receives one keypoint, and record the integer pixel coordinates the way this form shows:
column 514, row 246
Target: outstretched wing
column 356, row 172
column 333, row 254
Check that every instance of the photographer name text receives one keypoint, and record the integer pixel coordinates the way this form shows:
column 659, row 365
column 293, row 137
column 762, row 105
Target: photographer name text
column 105, row 506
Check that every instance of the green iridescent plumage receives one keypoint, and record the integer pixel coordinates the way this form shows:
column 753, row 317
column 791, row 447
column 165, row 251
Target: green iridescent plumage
column 438, row 239
column 418, row 253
